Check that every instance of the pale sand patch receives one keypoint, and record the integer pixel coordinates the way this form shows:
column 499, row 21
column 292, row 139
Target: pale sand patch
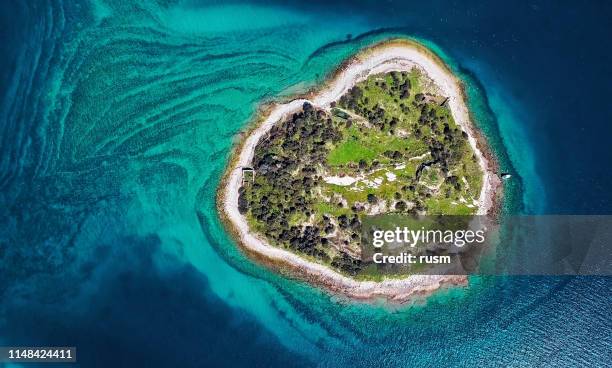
column 342, row 181
column 375, row 209
column 402, row 133
column 424, row 155
column 372, row 183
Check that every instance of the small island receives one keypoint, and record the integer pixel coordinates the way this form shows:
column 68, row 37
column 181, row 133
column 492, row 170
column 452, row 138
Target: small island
column 389, row 134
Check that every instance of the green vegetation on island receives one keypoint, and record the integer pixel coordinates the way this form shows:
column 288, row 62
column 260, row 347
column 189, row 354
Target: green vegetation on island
column 389, row 145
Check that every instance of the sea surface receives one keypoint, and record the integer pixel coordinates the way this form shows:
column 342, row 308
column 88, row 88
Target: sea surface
column 116, row 122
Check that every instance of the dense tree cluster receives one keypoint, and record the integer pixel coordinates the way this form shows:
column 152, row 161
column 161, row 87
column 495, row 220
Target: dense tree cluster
column 347, row 264
column 447, row 146
column 285, row 164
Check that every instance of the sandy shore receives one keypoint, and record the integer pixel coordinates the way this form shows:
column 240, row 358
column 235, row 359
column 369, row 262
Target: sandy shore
column 396, row 55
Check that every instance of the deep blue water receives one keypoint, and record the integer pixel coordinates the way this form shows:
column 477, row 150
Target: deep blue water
column 116, row 122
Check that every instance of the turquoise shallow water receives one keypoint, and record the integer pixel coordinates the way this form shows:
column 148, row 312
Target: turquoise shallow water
column 117, row 122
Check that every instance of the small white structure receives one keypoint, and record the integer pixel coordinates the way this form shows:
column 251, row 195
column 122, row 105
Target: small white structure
column 246, row 171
